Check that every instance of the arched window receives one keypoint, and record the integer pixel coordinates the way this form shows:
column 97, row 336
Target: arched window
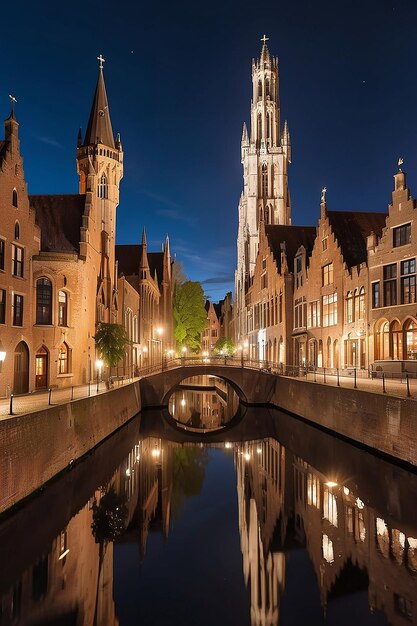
column 266, row 215
column 62, row 308
column 268, row 126
column 361, row 304
column 267, row 88
column 410, row 328
column 259, row 90
column 102, row 187
column 396, row 340
column 349, row 308
column 259, row 135
column 14, row 198
column 17, row 231
column 265, row 180
column 43, row 301
column 63, row 359
column 382, row 342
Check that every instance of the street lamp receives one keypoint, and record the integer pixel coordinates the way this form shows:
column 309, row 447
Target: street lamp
column 99, row 367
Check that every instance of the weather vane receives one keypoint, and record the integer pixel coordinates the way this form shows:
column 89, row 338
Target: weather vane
column 264, row 39
column 323, row 194
column 13, row 101
column 101, row 61
column 400, row 162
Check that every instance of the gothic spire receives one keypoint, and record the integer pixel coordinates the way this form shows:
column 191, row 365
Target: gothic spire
column 99, row 129
column 144, row 263
column 265, row 56
column 245, row 136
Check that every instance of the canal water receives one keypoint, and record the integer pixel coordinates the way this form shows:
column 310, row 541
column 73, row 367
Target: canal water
column 163, row 525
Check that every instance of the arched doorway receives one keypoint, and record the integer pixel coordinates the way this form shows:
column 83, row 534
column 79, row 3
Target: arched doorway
column 21, row 369
column 41, row 368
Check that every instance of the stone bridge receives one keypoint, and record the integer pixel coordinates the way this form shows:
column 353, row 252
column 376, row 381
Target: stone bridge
column 253, row 386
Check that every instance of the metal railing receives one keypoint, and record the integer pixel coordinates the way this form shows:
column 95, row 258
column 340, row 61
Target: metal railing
column 401, row 385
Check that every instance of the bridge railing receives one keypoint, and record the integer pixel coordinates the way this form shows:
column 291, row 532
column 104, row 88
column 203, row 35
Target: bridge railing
column 352, row 377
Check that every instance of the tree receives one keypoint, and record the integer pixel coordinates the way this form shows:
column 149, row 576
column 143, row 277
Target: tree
column 190, row 316
column 111, row 342
column 224, row 346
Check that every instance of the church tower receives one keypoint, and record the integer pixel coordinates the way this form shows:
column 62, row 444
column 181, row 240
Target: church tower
column 100, row 169
column 266, row 154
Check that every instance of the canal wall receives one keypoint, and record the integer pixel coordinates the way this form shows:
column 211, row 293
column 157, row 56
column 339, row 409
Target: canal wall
column 381, row 422
column 37, row 446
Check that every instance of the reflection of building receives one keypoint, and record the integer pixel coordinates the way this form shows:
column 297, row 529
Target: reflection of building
column 68, row 584
column 260, row 486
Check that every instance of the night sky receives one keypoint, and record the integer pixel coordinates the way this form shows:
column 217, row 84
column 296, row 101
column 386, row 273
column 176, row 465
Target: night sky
column 178, row 78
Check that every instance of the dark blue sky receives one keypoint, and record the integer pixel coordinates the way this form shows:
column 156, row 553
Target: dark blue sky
column 178, row 78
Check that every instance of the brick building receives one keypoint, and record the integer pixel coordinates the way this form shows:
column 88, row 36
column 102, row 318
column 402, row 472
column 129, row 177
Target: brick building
column 341, row 295
column 58, row 271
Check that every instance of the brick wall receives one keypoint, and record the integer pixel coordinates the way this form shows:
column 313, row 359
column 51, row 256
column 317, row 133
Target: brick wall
column 37, row 446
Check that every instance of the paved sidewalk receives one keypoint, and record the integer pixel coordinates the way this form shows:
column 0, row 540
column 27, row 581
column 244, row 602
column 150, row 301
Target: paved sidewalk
column 393, row 387
column 39, row 400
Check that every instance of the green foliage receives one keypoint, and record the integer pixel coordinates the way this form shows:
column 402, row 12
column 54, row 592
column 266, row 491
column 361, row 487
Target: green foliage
column 189, row 470
column 190, row 316
column 111, row 342
column 225, row 346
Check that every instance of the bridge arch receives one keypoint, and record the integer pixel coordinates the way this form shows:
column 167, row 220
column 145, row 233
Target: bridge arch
column 253, row 386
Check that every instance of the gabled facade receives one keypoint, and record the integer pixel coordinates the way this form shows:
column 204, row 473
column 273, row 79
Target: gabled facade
column 211, row 334
column 150, row 275
column 392, row 285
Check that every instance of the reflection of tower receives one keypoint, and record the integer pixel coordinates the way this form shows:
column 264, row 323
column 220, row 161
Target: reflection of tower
column 260, row 488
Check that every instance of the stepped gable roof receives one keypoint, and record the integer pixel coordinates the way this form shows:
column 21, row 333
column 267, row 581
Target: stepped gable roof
column 293, row 236
column 129, row 256
column 60, row 219
column 351, row 228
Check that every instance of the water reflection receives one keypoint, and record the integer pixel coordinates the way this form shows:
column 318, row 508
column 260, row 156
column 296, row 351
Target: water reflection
column 203, row 403
column 312, row 549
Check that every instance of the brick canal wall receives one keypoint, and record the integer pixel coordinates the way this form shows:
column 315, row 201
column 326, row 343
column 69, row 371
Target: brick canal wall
column 37, row 446
column 378, row 421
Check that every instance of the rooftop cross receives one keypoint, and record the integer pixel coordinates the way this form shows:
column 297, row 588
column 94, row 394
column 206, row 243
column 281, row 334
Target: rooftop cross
column 13, row 101
column 323, row 194
column 264, row 39
column 400, row 162
column 101, row 60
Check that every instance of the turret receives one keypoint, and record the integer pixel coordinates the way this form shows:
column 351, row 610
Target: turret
column 11, row 128
column 144, row 271
column 286, row 141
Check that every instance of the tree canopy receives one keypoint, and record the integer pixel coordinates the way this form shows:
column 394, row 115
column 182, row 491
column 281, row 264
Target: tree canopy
column 111, row 342
column 190, row 316
column 224, row 346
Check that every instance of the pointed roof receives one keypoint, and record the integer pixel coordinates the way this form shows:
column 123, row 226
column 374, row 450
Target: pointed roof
column 99, row 127
column 265, row 56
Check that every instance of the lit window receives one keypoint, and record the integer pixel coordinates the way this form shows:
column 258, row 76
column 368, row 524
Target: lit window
column 63, row 359
column 349, row 308
column 327, row 274
column 62, row 308
column 330, row 310
column 327, row 547
column 330, row 507
column 408, row 281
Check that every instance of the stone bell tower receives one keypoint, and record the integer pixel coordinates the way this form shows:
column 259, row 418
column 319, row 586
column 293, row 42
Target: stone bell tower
column 100, row 168
column 265, row 155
